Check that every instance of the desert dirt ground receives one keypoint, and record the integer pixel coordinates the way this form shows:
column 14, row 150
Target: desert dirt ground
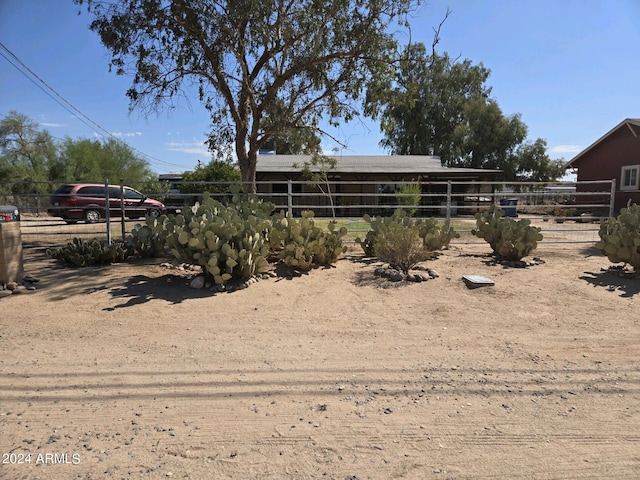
column 125, row 372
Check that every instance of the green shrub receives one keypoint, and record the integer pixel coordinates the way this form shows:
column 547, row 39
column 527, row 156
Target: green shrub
column 620, row 237
column 82, row 253
column 409, row 195
column 510, row 239
column 301, row 244
column 435, row 236
column 401, row 246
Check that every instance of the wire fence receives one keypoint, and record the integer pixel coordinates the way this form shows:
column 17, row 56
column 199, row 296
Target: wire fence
column 567, row 213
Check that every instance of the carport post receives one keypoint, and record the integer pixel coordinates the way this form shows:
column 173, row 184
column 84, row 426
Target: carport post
column 107, row 210
column 290, row 197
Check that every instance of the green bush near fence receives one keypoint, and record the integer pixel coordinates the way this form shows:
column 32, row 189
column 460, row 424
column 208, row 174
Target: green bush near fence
column 434, row 235
column 401, row 246
column 408, row 194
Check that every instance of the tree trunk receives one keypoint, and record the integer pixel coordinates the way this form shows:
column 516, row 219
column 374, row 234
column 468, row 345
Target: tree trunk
column 248, row 172
column 247, row 160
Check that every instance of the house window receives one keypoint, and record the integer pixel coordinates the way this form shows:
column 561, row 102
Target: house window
column 630, row 177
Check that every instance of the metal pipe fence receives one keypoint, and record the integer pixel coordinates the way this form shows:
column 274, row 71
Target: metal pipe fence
column 568, row 213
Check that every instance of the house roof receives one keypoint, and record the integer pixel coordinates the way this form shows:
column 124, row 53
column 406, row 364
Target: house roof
column 632, row 124
column 367, row 164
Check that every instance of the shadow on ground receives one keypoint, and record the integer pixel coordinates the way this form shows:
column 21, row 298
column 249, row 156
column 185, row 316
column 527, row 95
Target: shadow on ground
column 591, row 251
column 626, row 283
column 58, row 282
column 142, row 289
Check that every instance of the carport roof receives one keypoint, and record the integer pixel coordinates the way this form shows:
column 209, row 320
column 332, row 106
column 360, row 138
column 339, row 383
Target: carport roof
column 366, row 164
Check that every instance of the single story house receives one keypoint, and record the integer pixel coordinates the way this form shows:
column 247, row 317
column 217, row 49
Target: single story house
column 367, row 183
column 614, row 156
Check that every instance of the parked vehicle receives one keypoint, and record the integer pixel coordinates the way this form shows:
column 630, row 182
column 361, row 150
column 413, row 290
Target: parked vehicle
column 9, row 213
column 87, row 201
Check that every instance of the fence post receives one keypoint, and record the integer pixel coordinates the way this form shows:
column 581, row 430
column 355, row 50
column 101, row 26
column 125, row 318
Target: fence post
column 290, row 197
column 448, row 200
column 122, row 225
column 107, row 210
column 612, row 198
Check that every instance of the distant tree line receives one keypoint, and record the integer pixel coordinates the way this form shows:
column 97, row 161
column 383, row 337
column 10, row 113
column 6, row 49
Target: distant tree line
column 30, row 157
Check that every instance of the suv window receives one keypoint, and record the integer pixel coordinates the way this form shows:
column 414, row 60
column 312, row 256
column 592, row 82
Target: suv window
column 131, row 194
column 96, row 191
column 114, row 192
column 63, row 190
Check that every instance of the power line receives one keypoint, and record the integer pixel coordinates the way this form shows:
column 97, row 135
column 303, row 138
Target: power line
column 64, row 103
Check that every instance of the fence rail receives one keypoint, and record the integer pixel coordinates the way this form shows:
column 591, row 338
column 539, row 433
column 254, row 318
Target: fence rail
column 567, row 212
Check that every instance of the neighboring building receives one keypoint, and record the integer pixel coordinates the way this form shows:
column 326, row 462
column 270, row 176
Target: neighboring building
column 173, row 179
column 616, row 155
column 378, row 176
column 174, row 200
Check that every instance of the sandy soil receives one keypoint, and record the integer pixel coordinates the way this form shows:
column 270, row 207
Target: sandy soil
column 124, row 372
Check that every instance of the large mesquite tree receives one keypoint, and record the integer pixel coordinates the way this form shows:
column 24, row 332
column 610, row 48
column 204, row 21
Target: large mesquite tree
column 262, row 68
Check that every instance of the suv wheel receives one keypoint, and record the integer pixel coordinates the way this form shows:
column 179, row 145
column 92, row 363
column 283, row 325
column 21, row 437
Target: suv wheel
column 92, row 216
column 153, row 212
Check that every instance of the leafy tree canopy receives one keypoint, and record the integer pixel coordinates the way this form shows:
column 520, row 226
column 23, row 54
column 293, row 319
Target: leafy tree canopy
column 421, row 109
column 262, row 68
column 297, row 142
column 29, row 157
column 93, row 160
column 26, row 153
column 214, row 171
column 442, row 106
column 535, row 165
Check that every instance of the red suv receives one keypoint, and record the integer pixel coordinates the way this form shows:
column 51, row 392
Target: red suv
column 87, row 201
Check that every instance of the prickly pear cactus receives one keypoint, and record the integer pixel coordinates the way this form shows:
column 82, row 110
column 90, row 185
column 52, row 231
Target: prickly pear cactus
column 144, row 241
column 301, row 244
column 83, row 253
column 509, row 239
column 620, row 237
column 227, row 241
column 376, row 225
column 435, row 236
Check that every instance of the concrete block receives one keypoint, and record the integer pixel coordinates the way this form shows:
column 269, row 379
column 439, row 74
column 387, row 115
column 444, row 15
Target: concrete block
column 11, row 260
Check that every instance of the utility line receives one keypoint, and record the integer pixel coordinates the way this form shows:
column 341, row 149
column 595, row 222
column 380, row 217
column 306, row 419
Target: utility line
column 64, row 103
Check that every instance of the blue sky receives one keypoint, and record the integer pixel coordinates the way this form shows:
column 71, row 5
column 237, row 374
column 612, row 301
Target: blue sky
column 568, row 67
